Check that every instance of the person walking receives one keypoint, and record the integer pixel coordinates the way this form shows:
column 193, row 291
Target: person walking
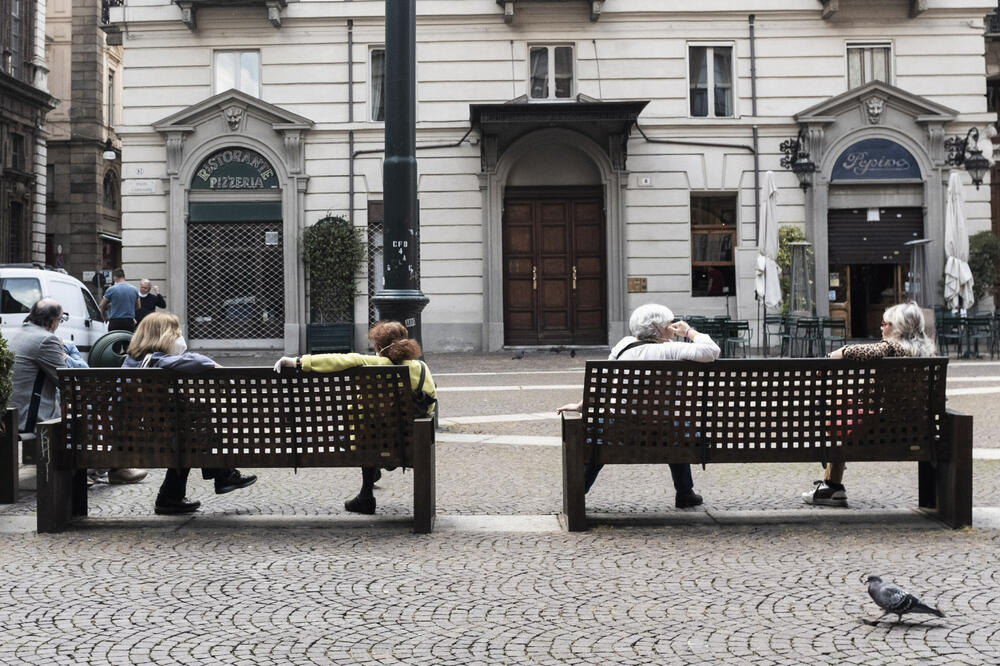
column 903, row 334
column 655, row 338
column 392, row 347
column 158, row 343
column 149, row 299
column 122, row 299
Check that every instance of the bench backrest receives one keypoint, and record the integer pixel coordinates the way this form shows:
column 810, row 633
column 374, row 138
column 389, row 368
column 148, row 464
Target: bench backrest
column 236, row 416
column 781, row 410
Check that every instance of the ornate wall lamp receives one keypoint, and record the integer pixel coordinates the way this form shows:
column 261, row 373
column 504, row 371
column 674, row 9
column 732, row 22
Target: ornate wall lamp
column 797, row 159
column 964, row 152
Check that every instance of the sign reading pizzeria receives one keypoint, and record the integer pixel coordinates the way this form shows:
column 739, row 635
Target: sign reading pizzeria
column 235, row 169
column 875, row 159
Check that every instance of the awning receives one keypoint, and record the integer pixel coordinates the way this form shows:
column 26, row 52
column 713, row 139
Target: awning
column 501, row 125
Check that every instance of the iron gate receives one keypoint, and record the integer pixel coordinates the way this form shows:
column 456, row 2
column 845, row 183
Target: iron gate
column 236, row 281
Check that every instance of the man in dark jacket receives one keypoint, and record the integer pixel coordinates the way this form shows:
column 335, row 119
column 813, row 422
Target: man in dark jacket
column 149, row 299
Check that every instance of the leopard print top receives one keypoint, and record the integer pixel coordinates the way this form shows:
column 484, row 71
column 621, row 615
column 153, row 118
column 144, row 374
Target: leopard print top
column 884, row 349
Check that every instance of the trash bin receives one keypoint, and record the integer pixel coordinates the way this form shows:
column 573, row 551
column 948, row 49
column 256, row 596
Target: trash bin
column 109, row 351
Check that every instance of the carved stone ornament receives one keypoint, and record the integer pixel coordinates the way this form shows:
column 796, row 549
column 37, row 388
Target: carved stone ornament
column 234, row 116
column 874, row 106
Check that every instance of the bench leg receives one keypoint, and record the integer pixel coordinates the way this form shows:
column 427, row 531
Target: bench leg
column 8, row 456
column 574, row 515
column 424, row 477
column 948, row 489
column 55, row 485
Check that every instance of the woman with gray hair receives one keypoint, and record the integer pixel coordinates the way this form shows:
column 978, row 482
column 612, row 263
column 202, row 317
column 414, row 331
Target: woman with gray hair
column 655, row 338
column 903, row 334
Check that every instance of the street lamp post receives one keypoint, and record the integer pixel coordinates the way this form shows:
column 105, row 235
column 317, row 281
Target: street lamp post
column 399, row 296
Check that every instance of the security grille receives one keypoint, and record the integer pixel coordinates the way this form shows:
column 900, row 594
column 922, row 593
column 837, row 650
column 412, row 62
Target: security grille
column 235, row 280
column 375, row 269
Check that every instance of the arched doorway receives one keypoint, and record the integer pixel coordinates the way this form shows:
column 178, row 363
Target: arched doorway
column 554, row 264
column 235, row 239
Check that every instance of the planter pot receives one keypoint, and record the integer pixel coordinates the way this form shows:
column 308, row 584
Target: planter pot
column 324, row 338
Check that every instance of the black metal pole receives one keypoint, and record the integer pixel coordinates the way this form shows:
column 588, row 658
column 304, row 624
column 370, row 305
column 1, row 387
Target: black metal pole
column 399, row 296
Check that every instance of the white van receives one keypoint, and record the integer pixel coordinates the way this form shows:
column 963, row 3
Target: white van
column 21, row 285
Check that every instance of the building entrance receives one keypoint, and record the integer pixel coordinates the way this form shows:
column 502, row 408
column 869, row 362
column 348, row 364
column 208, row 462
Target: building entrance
column 868, row 260
column 554, row 267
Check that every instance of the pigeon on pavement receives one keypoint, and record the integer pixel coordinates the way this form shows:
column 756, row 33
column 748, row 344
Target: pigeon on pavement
column 518, row 356
column 893, row 599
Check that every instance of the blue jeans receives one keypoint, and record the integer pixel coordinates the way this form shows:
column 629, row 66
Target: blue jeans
column 681, row 473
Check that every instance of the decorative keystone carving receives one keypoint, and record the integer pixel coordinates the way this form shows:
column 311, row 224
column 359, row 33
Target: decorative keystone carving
column 274, row 12
column 595, row 9
column 874, row 106
column 234, row 116
column 187, row 14
column 175, row 152
column 293, row 150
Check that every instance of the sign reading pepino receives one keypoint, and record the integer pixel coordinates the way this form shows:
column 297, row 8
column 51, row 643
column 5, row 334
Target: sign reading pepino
column 235, row 169
column 875, row 159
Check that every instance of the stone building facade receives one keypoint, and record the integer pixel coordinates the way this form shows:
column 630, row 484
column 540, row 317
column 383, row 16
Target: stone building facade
column 576, row 159
column 83, row 232
column 24, row 101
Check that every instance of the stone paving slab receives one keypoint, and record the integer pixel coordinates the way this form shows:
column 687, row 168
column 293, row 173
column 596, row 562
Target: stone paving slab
column 693, row 594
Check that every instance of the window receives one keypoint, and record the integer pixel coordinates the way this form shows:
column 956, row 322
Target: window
column 867, row 63
column 17, row 295
column 17, row 152
column 16, row 57
column 109, row 101
column 711, row 81
column 93, row 312
column 551, row 72
column 377, row 91
column 110, row 190
column 238, row 69
column 713, row 241
column 50, row 184
column 13, row 248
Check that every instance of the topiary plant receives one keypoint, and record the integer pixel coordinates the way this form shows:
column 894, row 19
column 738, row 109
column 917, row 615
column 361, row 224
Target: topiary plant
column 6, row 369
column 984, row 261
column 332, row 250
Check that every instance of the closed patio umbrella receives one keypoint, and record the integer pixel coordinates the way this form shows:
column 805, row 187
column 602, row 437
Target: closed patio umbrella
column 957, row 275
column 766, row 282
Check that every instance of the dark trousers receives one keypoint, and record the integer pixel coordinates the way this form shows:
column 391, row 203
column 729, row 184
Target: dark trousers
column 175, row 482
column 368, row 475
column 122, row 324
column 681, row 473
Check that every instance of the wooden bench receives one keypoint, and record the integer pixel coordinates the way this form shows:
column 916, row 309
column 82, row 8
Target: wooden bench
column 773, row 411
column 230, row 417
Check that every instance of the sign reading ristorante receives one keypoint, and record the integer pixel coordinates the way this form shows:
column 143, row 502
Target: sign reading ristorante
column 235, row 169
column 875, row 159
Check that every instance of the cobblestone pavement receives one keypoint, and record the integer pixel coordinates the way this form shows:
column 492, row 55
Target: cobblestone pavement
column 278, row 573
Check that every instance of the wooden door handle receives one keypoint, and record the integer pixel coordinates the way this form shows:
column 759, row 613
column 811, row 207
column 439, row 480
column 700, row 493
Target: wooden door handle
column 534, row 278
column 574, row 278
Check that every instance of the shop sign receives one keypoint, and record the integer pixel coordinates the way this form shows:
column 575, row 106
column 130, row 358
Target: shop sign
column 876, row 159
column 235, row 169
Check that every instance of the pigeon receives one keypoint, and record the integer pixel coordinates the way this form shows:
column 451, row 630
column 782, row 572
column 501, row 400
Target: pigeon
column 893, row 599
column 572, row 353
column 518, row 356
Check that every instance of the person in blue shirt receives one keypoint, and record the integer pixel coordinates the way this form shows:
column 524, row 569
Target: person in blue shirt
column 122, row 299
column 158, row 343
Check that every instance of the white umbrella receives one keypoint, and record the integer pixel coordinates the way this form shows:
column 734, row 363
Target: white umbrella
column 957, row 275
column 766, row 282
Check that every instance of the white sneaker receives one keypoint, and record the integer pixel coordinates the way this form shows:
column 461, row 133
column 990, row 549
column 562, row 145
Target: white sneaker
column 824, row 495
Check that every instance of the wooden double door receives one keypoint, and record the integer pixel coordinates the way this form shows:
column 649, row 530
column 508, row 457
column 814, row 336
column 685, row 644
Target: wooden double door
column 554, row 267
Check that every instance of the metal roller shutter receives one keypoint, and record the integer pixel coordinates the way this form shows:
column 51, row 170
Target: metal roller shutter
column 854, row 240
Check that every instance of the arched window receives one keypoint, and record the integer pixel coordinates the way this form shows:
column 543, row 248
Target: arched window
column 111, row 190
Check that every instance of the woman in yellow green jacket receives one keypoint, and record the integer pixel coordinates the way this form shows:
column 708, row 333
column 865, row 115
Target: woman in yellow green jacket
column 392, row 347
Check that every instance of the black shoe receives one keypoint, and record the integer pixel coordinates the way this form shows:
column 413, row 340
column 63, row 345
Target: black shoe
column 687, row 499
column 169, row 507
column 233, row 481
column 361, row 504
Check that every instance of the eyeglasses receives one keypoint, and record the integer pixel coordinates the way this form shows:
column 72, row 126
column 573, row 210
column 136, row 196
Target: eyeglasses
column 64, row 317
column 885, row 323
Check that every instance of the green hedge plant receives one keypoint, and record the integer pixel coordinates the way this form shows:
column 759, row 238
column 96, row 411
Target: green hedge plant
column 984, row 261
column 6, row 370
column 333, row 251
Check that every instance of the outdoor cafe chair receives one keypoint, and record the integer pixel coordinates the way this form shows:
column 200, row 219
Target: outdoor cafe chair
column 774, row 327
column 807, row 339
column 834, row 334
column 949, row 332
column 738, row 335
column 979, row 329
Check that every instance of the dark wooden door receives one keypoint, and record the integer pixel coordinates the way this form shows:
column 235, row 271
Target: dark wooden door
column 554, row 283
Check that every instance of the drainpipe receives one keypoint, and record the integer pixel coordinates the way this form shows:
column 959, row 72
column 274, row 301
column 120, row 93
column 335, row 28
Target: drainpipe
column 350, row 119
column 756, row 135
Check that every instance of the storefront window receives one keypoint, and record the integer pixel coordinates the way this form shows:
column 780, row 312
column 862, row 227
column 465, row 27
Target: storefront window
column 713, row 241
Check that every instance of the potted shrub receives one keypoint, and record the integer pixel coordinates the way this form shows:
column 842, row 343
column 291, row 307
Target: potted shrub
column 332, row 250
column 8, row 418
column 984, row 261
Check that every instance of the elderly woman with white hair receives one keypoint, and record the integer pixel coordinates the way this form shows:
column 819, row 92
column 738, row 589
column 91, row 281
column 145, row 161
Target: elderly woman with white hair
column 903, row 334
column 655, row 338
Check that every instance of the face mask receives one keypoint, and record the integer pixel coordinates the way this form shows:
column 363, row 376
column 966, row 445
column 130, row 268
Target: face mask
column 180, row 346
